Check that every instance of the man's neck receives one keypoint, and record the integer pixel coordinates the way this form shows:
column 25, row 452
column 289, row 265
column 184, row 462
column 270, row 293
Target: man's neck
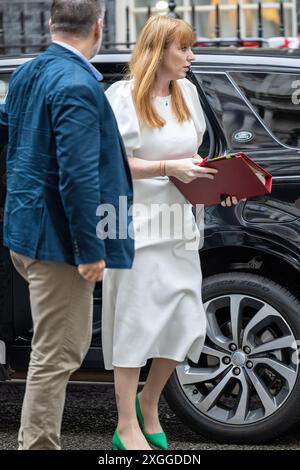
column 81, row 46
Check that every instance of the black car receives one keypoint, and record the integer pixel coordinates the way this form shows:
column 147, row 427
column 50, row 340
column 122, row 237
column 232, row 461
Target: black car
column 246, row 386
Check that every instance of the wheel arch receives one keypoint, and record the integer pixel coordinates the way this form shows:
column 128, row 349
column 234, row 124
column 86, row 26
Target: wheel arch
column 264, row 259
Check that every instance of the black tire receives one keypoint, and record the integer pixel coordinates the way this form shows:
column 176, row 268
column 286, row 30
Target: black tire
column 287, row 414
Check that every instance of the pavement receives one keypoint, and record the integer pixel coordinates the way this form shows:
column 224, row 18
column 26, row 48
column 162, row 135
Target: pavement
column 90, row 419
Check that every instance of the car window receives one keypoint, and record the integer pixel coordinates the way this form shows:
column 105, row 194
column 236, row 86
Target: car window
column 204, row 148
column 276, row 99
column 242, row 128
column 109, row 79
column 111, row 72
column 4, row 79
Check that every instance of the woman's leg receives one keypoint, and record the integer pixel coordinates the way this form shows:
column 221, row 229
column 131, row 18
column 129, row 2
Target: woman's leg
column 126, row 383
column 160, row 371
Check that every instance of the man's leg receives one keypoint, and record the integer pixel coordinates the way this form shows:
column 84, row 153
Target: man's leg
column 62, row 306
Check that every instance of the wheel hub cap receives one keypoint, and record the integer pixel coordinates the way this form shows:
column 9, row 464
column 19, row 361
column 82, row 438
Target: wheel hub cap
column 238, row 358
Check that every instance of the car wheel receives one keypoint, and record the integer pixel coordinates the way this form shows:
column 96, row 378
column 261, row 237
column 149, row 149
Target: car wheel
column 245, row 387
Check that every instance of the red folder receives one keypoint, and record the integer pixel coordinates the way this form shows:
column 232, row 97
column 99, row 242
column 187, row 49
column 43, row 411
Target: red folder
column 237, row 175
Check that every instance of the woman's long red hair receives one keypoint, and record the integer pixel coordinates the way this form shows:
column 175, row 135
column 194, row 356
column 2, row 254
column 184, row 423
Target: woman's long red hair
column 157, row 34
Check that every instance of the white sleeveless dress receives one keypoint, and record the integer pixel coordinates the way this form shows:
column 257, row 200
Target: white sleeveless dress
column 155, row 309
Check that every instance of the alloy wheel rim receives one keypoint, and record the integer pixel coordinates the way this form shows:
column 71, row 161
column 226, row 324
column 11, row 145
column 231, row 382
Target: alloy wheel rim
column 249, row 363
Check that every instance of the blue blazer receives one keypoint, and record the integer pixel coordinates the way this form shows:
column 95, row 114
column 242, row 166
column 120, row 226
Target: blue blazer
column 65, row 157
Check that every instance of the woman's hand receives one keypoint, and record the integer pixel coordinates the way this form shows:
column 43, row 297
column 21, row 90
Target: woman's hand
column 188, row 169
column 230, row 201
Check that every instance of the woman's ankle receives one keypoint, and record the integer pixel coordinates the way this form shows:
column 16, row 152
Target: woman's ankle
column 132, row 438
column 147, row 403
column 128, row 426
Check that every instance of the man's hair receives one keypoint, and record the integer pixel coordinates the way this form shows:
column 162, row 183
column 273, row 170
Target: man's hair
column 76, row 17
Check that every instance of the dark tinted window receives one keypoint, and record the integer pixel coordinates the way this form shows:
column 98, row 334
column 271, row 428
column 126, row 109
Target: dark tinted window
column 204, row 148
column 276, row 99
column 112, row 72
column 234, row 114
column 4, row 80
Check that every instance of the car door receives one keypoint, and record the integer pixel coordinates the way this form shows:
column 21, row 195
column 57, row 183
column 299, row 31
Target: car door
column 259, row 113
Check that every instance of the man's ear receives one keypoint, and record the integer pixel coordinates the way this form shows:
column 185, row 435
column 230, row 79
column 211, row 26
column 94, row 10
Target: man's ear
column 99, row 25
column 98, row 28
column 50, row 24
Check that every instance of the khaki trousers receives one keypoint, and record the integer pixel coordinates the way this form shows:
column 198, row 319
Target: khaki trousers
column 62, row 311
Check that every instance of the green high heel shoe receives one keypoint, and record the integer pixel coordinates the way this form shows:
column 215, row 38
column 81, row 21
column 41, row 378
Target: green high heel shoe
column 117, row 443
column 157, row 439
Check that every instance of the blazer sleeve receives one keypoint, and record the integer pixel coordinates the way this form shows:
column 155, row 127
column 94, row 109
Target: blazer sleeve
column 75, row 120
column 3, row 126
column 120, row 98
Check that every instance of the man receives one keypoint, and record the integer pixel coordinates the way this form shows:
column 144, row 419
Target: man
column 65, row 157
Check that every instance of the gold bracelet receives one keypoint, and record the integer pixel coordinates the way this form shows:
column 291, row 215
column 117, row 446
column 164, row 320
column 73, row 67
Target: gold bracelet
column 162, row 168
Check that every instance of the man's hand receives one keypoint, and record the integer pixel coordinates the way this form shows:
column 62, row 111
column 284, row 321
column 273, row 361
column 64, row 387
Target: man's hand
column 92, row 272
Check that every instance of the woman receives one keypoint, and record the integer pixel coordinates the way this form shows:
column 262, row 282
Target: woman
column 155, row 310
